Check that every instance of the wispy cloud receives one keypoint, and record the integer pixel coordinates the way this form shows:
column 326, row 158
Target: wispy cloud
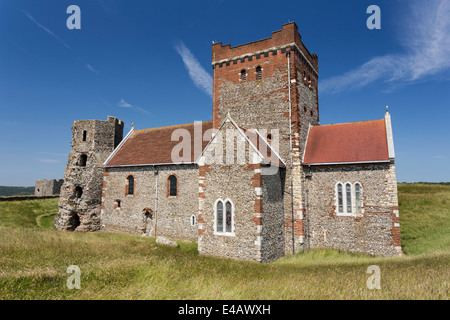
column 123, row 104
column 90, row 68
column 142, row 110
column 46, row 29
column 426, row 38
column 198, row 74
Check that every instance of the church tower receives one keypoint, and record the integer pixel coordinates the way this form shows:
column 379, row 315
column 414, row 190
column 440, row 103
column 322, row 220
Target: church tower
column 263, row 85
column 81, row 194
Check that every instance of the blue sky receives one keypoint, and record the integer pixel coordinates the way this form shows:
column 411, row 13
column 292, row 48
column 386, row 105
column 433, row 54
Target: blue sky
column 149, row 63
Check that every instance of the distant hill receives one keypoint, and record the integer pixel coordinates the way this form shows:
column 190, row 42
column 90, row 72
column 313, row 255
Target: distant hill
column 15, row 191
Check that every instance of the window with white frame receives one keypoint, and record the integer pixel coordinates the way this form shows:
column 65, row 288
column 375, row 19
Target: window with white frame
column 348, row 198
column 219, row 216
column 258, row 73
column 228, row 216
column 348, row 194
column 243, row 75
column 340, row 198
column 358, row 198
column 224, row 211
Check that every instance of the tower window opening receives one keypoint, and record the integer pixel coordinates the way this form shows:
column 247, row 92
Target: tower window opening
column 74, row 221
column 78, row 192
column 84, row 135
column 243, row 75
column 258, row 73
column 83, row 160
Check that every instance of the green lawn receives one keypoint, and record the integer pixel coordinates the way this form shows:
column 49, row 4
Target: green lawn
column 34, row 258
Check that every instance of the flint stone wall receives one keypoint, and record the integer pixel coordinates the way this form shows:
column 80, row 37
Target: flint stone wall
column 220, row 179
column 376, row 230
column 273, row 232
column 171, row 218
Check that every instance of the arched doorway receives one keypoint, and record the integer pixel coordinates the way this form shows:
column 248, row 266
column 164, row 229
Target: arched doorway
column 74, row 221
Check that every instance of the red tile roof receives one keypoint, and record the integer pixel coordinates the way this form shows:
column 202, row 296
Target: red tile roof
column 154, row 146
column 364, row 141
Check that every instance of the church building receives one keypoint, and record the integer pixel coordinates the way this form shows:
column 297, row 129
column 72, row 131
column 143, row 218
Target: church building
column 263, row 179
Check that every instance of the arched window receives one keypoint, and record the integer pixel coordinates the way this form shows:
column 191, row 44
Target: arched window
column 358, row 197
column 340, row 198
column 83, row 160
column 130, row 185
column 228, row 216
column 84, row 135
column 243, row 75
column 219, row 216
column 172, row 185
column 348, row 191
column 224, row 215
column 258, row 73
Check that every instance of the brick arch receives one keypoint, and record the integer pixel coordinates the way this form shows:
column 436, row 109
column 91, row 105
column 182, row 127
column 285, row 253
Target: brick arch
column 168, row 185
column 127, row 186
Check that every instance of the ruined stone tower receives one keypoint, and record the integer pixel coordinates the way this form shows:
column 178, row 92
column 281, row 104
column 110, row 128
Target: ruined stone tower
column 256, row 83
column 81, row 194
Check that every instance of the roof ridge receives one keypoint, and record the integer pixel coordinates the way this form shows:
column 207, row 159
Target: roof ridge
column 167, row 127
column 342, row 123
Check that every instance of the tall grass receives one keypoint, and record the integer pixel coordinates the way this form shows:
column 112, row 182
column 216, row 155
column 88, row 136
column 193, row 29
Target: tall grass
column 424, row 217
column 34, row 260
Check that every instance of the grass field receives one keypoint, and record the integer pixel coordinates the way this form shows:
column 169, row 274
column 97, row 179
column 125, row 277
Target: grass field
column 34, row 258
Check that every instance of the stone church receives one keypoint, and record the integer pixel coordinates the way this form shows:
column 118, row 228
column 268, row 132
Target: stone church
column 263, row 179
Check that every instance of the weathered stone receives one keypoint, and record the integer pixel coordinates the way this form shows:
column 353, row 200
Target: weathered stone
column 48, row 188
column 166, row 242
column 170, row 215
column 81, row 194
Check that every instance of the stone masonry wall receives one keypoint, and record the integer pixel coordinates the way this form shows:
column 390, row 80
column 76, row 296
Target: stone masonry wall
column 273, row 232
column 48, row 187
column 242, row 185
column 171, row 218
column 81, row 194
column 376, row 230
